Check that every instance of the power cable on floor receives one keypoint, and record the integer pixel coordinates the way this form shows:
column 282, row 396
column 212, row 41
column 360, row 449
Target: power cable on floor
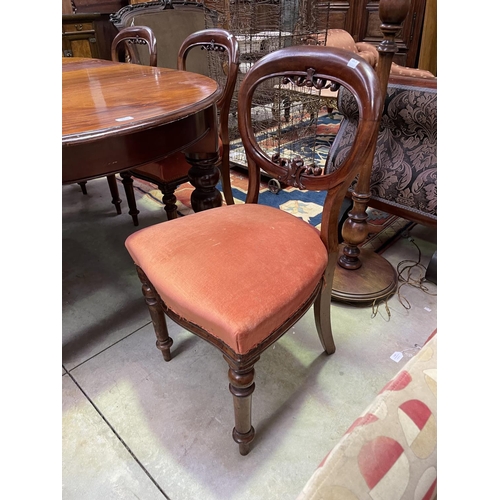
column 405, row 269
column 375, row 306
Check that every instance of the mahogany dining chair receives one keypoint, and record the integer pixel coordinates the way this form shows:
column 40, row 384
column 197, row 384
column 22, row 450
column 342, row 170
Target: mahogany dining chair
column 168, row 173
column 126, row 41
column 240, row 276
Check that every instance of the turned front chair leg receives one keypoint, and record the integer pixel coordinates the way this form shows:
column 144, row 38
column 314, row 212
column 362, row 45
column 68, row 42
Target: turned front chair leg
column 322, row 312
column 115, row 197
column 128, row 185
column 241, row 386
column 163, row 340
column 169, row 200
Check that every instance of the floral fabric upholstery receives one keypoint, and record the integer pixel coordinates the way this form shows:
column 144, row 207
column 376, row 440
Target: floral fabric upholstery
column 404, row 171
column 390, row 452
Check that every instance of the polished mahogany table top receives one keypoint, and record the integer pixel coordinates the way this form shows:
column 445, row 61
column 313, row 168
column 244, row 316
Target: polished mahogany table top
column 102, row 98
column 117, row 116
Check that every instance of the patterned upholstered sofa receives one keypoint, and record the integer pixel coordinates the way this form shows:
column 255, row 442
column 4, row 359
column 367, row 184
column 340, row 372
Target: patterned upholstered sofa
column 404, row 172
column 390, row 451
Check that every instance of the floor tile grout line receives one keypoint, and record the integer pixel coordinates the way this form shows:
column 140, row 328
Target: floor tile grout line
column 105, row 349
column 119, row 437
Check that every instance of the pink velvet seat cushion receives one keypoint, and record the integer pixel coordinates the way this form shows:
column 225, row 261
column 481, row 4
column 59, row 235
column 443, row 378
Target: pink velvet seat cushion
column 238, row 271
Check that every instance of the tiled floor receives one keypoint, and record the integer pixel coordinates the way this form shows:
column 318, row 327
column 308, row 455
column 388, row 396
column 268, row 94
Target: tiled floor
column 136, row 427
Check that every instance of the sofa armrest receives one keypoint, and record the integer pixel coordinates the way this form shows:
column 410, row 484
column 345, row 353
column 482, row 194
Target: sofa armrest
column 368, row 52
column 396, row 69
column 391, row 450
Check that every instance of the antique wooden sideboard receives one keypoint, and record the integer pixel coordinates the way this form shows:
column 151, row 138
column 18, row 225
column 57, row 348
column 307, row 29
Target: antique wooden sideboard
column 86, row 28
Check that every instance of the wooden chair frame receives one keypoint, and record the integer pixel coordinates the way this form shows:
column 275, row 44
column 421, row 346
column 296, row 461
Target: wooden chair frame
column 321, row 67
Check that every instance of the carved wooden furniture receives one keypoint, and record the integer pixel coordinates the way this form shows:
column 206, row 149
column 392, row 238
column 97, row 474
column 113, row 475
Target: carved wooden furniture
column 107, row 130
column 167, row 174
column 181, row 262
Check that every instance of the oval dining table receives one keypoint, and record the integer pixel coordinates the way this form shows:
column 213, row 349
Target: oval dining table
column 118, row 116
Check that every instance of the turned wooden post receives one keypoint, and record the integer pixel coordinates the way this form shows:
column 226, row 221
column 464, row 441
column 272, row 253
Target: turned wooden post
column 355, row 229
column 204, row 175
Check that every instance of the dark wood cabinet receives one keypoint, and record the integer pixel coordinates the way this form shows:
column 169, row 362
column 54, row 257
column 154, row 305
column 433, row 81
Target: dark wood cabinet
column 88, row 32
column 79, row 37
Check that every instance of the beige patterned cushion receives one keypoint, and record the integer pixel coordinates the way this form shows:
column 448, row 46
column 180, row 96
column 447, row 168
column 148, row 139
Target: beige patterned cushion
column 390, row 452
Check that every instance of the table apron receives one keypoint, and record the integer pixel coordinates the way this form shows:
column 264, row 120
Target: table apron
column 109, row 155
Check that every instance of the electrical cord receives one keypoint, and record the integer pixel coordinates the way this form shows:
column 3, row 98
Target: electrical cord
column 405, row 269
column 405, row 278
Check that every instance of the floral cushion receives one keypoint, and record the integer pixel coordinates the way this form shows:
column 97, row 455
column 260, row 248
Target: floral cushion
column 404, row 172
column 390, row 452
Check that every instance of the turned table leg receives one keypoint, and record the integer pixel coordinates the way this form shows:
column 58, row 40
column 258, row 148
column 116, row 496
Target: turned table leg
column 204, row 175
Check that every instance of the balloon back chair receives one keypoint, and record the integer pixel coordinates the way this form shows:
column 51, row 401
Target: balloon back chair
column 168, row 173
column 239, row 276
column 127, row 40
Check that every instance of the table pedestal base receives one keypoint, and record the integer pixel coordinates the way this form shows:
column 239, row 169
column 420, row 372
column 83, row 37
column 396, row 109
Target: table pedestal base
column 375, row 279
